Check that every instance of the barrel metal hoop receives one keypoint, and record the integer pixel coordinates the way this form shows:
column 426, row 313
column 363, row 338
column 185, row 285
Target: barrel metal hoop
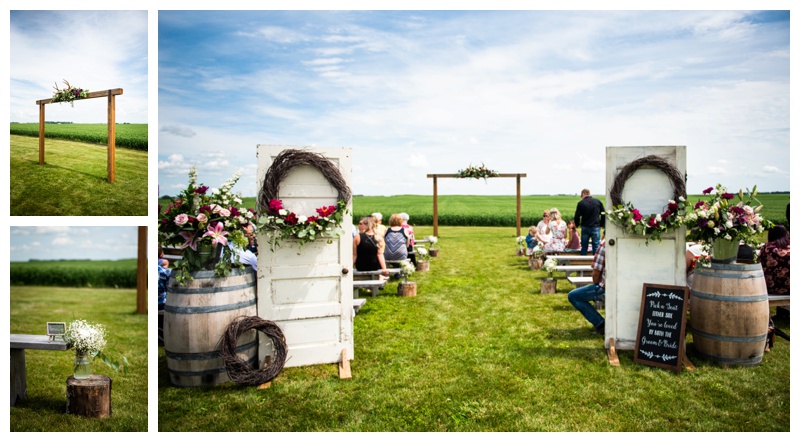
column 205, row 356
column 206, row 372
column 209, row 308
column 753, row 361
column 738, row 339
column 751, row 275
column 178, row 290
column 726, row 298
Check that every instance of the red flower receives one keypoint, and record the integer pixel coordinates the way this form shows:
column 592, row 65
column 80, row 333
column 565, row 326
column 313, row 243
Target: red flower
column 201, row 190
column 727, row 196
column 699, row 204
column 312, row 219
column 275, row 205
column 672, row 207
column 652, row 222
column 326, row 211
column 707, row 191
column 637, row 216
column 291, row 218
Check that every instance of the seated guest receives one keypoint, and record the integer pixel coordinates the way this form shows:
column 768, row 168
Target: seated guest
column 410, row 234
column 558, row 232
column 574, row 243
column 396, row 240
column 774, row 259
column 368, row 248
column 163, row 278
column 580, row 297
column 379, row 228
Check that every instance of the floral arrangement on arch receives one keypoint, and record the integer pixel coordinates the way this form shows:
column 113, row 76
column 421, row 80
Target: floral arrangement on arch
column 90, row 339
column 477, row 172
column 202, row 220
column 651, row 226
column 282, row 224
column 718, row 217
column 68, row 94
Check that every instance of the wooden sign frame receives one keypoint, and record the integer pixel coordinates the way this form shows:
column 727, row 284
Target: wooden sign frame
column 56, row 330
column 661, row 336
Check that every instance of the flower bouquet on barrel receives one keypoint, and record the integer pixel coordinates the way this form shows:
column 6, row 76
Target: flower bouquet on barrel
column 203, row 222
column 720, row 224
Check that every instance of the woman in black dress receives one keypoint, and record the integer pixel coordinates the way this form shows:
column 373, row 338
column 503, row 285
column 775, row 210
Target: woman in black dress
column 368, row 248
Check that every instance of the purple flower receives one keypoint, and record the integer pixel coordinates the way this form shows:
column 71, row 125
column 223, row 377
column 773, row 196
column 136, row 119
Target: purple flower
column 707, row 191
column 727, row 196
column 201, row 190
column 702, row 223
column 699, row 204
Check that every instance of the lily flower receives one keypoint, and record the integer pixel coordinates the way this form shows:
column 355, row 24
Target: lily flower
column 217, row 234
column 190, row 240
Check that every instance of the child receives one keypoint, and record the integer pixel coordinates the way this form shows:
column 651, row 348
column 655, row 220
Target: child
column 574, row 244
column 531, row 242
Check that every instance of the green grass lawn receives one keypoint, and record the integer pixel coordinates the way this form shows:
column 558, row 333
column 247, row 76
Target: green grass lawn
column 47, row 371
column 480, row 349
column 73, row 180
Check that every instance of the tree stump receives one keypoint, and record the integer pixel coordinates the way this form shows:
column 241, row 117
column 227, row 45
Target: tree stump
column 407, row 289
column 423, row 266
column 89, row 397
column 434, row 252
column 548, row 285
column 536, row 264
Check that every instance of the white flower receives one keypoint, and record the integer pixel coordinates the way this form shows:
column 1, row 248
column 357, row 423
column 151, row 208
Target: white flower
column 215, row 191
column 301, row 219
column 283, row 212
column 249, row 215
column 658, row 217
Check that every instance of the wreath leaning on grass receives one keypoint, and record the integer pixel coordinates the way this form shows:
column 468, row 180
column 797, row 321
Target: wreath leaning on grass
column 240, row 371
column 281, row 223
column 651, row 226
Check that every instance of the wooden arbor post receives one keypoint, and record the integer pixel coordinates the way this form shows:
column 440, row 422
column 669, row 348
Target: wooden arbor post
column 112, row 128
column 436, row 176
column 141, row 272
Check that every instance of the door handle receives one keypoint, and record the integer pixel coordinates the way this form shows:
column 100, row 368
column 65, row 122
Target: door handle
column 611, row 242
column 345, row 271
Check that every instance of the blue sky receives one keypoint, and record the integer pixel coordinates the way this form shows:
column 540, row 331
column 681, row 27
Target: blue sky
column 419, row 92
column 94, row 50
column 62, row 242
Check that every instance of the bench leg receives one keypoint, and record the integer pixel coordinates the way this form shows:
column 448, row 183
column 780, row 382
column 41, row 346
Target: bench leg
column 19, row 386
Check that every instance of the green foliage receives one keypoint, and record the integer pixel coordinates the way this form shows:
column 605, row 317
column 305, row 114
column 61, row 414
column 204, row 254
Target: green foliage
column 47, row 371
column 480, row 349
column 500, row 211
column 131, row 136
column 73, row 180
column 75, row 273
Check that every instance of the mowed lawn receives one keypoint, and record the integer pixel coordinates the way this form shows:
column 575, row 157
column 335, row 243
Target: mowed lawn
column 73, row 180
column 480, row 349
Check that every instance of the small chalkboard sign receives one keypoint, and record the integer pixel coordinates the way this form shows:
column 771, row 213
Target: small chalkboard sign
column 662, row 326
column 56, row 330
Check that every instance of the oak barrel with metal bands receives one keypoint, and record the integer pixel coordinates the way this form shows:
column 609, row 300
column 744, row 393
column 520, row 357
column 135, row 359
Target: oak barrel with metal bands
column 729, row 313
column 195, row 318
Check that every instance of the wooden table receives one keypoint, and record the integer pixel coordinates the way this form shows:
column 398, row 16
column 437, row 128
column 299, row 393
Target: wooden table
column 19, row 386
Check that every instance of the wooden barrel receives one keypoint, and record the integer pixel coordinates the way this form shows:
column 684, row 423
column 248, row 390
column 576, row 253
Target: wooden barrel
column 195, row 318
column 729, row 313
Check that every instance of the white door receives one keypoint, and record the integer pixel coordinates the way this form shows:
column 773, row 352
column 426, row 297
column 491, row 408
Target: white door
column 308, row 292
column 629, row 262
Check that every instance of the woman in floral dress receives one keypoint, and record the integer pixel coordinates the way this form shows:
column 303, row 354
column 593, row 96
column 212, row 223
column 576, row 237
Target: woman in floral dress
column 558, row 232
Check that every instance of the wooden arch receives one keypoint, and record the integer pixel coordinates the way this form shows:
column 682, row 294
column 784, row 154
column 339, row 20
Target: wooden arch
column 112, row 127
column 436, row 176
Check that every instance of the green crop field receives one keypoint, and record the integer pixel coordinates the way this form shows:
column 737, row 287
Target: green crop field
column 131, row 136
column 496, row 211
column 75, row 273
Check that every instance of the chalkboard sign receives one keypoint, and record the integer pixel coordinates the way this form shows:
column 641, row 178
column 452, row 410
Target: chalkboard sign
column 662, row 326
column 56, row 330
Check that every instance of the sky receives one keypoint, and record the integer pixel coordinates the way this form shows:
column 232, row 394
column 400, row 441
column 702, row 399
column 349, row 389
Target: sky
column 421, row 92
column 93, row 50
column 62, row 242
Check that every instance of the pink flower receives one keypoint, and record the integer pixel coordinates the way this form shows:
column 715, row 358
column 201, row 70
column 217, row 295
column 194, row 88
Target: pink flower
column 181, row 219
column 224, row 213
column 190, row 240
column 202, row 217
column 291, row 219
column 217, row 234
column 637, row 216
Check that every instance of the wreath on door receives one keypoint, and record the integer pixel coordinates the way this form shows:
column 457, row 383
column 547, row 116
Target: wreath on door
column 651, row 226
column 282, row 224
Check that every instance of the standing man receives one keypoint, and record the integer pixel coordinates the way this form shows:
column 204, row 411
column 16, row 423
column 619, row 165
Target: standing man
column 580, row 297
column 589, row 215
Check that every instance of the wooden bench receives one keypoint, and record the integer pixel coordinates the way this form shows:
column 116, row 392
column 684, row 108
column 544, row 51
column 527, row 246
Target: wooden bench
column 580, row 281
column 781, row 302
column 19, row 343
column 372, row 285
column 357, row 304
column 579, row 269
column 573, row 259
